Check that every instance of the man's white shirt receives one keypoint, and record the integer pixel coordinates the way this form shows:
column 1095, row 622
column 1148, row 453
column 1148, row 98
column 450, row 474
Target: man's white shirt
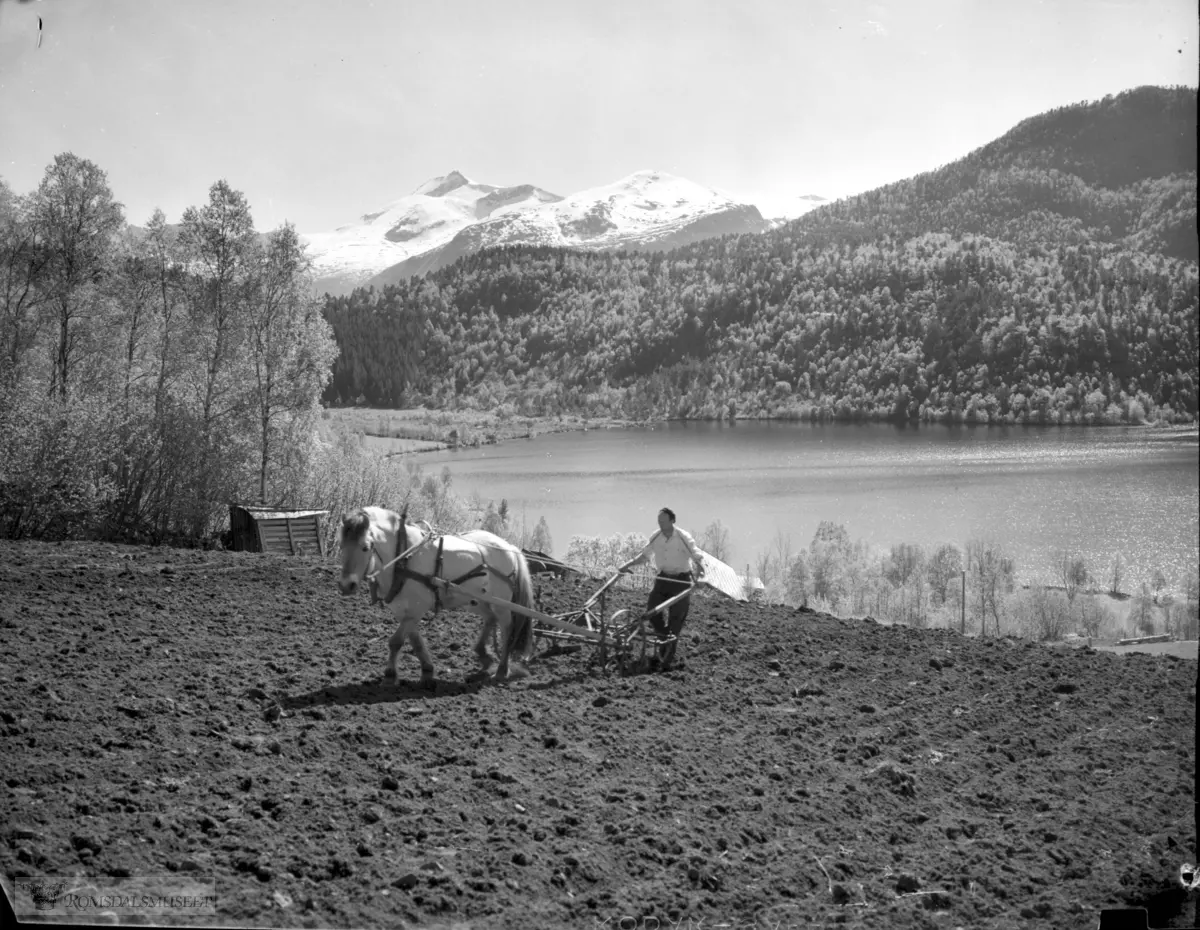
column 673, row 554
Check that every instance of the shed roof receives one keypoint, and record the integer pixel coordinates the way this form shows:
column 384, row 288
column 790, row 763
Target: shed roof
column 262, row 513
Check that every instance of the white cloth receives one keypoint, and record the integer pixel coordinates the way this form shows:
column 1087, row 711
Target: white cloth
column 672, row 555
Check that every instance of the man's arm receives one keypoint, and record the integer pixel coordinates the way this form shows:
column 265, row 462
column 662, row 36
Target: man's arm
column 641, row 556
column 697, row 555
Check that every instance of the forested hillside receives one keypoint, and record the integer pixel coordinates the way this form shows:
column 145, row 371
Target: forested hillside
column 1050, row 276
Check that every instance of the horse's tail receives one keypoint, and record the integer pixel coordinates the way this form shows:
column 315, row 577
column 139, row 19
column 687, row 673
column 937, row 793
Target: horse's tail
column 521, row 637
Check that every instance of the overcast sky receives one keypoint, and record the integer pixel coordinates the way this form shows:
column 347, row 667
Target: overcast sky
column 322, row 111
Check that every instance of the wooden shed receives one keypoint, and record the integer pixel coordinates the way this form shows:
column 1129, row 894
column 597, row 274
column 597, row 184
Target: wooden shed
column 265, row 529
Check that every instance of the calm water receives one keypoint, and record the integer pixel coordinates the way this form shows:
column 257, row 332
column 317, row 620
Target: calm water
column 1037, row 490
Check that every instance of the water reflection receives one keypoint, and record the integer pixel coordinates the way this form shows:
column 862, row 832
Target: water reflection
column 1097, row 492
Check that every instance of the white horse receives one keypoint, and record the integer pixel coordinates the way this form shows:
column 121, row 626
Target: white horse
column 479, row 561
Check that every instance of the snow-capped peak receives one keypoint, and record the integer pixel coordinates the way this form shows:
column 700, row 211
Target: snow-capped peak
column 426, row 219
column 450, row 216
column 436, row 187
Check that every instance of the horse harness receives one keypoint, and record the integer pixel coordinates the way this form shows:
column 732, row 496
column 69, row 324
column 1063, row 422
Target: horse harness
column 401, row 573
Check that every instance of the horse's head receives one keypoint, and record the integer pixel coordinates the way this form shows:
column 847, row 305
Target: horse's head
column 369, row 534
column 357, row 546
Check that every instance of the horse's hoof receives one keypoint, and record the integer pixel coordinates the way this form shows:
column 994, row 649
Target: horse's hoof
column 512, row 673
column 428, row 684
column 389, row 674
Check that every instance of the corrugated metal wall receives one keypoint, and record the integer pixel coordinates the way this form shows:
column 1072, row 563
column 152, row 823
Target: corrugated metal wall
column 290, row 535
column 276, row 531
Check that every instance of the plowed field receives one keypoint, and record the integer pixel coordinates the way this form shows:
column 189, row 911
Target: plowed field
column 221, row 715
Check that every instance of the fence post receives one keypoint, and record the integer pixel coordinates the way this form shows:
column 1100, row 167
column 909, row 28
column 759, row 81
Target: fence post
column 964, row 603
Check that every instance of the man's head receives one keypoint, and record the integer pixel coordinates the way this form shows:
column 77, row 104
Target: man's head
column 666, row 519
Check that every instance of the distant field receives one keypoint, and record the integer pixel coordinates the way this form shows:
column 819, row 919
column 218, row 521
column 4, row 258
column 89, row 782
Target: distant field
column 391, row 445
column 422, row 430
column 1184, row 649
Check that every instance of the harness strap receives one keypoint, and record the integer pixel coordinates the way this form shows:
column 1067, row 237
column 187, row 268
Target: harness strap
column 402, row 572
column 397, row 583
column 437, row 573
column 510, row 580
column 476, row 572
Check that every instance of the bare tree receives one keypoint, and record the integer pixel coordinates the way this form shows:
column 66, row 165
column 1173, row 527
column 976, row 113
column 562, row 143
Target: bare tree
column 764, row 568
column 1073, row 573
column 1116, row 576
column 1191, row 596
column 1093, row 616
column 945, row 567
column 715, row 541
column 993, row 575
column 1160, row 584
column 830, row 554
column 164, row 266
column 904, row 563
column 1049, row 613
column 1142, row 611
column 541, row 540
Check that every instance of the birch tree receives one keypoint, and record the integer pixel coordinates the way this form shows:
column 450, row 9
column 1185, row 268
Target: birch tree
column 75, row 218
column 993, row 575
column 217, row 243
column 22, row 262
column 291, row 345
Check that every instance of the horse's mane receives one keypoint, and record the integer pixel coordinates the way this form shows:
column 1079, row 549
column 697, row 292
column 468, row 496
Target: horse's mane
column 355, row 526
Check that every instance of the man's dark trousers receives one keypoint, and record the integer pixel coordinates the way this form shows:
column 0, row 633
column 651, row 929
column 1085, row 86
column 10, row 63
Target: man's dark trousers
column 666, row 586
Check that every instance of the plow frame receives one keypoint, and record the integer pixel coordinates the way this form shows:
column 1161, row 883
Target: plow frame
column 613, row 638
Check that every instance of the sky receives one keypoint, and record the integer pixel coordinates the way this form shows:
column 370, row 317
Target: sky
column 322, row 111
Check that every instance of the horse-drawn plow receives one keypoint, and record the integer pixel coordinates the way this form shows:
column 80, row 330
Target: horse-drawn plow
column 616, row 638
column 420, row 571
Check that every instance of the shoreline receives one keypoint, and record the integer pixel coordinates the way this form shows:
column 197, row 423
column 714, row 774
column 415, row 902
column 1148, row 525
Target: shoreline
column 411, row 431
column 415, row 430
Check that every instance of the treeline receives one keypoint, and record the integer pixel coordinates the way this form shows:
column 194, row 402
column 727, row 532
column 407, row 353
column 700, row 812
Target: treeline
column 149, row 377
column 1013, row 286
column 973, row 589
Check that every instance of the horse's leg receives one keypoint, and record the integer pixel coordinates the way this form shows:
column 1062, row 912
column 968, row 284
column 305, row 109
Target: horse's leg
column 422, row 654
column 481, row 651
column 394, row 643
column 514, row 669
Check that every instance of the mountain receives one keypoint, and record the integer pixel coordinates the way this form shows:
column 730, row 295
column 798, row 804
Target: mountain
column 1049, row 277
column 647, row 211
column 780, row 210
column 422, row 221
column 450, row 217
column 1120, row 171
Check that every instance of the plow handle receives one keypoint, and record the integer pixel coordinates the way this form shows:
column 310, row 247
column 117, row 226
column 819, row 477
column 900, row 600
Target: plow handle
column 604, row 587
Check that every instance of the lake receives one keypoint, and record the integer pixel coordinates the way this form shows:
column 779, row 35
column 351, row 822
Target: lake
column 1097, row 492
